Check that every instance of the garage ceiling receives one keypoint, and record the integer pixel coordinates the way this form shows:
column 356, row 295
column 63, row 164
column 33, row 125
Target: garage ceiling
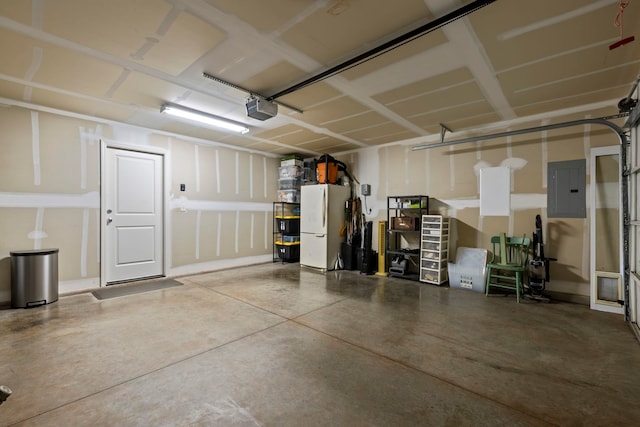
column 122, row 59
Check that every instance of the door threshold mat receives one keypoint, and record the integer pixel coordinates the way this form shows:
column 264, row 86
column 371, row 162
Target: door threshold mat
column 115, row 291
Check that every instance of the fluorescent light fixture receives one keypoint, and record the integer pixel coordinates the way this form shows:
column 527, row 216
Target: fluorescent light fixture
column 202, row 117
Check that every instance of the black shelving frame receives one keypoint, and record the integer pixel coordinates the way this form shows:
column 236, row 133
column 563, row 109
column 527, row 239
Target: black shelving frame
column 413, row 206
column 284, row 251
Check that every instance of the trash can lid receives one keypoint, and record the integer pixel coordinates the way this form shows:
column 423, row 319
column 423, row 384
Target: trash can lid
column 35, row 252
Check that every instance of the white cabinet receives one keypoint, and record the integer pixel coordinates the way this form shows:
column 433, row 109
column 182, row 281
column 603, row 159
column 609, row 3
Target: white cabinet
column 434, row 249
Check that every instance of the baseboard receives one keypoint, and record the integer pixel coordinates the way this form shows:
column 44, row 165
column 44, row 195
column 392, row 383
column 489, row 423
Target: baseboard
column 74, row 287
column 224, row 264
column 565, row 297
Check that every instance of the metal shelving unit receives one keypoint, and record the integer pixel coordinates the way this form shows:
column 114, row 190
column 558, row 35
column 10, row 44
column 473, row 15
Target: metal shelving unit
column 402, row 245
column 286, row 232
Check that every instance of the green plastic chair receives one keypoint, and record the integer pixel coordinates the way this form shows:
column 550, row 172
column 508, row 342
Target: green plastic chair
column 508, row 264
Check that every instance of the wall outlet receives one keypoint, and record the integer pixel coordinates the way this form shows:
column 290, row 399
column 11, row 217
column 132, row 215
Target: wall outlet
column 365, row 189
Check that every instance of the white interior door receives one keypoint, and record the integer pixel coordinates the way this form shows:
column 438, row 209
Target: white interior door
column 132, row 215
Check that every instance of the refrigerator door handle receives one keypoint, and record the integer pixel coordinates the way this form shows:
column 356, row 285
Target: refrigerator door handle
column 324, row 207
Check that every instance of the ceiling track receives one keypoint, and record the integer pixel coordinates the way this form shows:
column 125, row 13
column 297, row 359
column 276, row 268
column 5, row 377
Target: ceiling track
column 623, row 141
column 385, row 47
column 599, row 121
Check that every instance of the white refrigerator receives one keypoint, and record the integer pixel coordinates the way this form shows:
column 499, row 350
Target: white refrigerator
column 322, row 209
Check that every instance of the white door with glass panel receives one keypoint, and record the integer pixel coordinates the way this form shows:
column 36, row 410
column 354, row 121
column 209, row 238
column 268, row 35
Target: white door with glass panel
column 607, row 265
column 132, row 217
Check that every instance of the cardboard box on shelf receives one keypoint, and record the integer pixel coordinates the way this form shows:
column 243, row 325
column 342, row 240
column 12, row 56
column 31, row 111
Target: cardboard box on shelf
column 407, row 223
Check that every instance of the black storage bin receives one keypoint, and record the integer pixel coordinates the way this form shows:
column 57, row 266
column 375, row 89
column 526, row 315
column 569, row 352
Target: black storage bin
column 288, row 225
column 289, row 252
column 366, row 266
column 348, row 254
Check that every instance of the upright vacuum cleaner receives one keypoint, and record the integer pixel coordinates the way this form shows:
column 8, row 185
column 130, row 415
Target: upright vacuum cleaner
column 539, row 266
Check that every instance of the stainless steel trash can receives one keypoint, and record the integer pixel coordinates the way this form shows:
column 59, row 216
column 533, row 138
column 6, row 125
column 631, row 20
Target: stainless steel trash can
column 34, row 277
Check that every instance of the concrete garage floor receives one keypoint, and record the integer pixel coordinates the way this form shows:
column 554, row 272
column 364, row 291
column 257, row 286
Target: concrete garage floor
column 274, row 345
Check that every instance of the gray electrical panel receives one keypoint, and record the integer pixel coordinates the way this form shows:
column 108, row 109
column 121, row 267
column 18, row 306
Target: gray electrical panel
column 566, row 182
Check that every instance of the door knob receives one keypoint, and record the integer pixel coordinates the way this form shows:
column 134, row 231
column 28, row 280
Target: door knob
column 109, row 221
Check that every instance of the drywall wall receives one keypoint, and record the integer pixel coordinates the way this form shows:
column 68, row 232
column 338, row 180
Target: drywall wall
column 450, row 176
column 50, row 196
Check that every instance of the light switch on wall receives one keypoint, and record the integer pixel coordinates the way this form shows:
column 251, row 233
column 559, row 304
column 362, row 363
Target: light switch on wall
column 183, row 187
